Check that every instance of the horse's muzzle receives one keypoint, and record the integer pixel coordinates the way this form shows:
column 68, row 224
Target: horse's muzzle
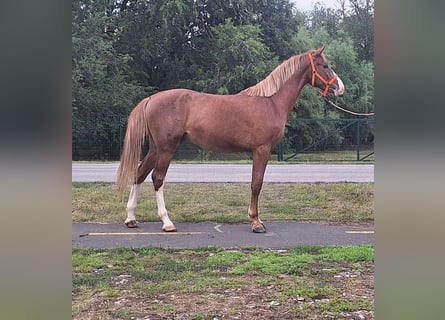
column 341, row 87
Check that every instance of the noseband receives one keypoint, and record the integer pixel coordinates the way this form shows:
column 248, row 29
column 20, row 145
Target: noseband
column 315, row 74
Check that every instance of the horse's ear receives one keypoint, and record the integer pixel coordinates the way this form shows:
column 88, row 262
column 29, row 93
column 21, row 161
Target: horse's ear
column 319, row 51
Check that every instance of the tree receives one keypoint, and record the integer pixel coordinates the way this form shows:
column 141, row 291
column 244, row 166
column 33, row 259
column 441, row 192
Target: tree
column 239, row 59
column 101, row 92
column 175, row 47
column 325, row 18
column 358, row 22
column 355, row 17
column 278, row 23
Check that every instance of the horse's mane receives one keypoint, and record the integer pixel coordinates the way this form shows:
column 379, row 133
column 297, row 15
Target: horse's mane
column 275, row 80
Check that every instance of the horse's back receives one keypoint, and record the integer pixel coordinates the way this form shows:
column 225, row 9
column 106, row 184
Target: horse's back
column 186, row 104
column 172, row 98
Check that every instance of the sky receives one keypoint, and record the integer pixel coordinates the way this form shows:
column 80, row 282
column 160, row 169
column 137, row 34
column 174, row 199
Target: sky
column 307, row 5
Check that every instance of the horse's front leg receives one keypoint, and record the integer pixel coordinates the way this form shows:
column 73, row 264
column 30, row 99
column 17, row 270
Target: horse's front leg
column 260, row 159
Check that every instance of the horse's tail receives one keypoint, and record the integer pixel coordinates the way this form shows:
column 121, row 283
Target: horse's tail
column 137, row 131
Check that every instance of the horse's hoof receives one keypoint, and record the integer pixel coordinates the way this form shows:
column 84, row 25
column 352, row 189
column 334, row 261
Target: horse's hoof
column 259, row 228
column 132, row 224
column 171, row 228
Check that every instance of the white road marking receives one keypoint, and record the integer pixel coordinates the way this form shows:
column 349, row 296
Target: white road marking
column 217, row 228
column 139, row 233
column 360, row 232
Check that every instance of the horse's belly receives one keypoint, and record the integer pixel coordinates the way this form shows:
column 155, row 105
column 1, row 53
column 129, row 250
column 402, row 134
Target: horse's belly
column 219, row 143
column 236, row 140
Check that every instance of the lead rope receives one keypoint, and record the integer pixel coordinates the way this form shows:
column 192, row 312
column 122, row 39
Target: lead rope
column 348, row 111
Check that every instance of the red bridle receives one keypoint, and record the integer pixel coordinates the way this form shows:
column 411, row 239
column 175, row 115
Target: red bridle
column 315, row 74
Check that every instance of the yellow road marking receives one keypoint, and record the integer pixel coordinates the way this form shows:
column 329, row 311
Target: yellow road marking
column 360, row 232
column 139, row 233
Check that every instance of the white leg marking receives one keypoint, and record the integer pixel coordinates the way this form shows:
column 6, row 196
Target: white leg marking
column 162, row 211
column 132, row 202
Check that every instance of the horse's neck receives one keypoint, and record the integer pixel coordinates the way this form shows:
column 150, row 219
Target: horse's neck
column 288, row 94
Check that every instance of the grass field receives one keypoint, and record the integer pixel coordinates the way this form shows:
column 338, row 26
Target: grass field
column 228, row 202
column 210, row 283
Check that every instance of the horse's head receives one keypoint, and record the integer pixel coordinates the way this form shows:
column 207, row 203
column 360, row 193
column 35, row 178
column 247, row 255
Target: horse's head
column 322, row 76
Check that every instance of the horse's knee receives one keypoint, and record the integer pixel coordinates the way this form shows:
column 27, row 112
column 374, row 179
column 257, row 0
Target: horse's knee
column 256, row 187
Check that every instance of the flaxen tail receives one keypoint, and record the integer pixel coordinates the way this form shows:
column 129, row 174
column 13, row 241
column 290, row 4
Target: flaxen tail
column 137, row 131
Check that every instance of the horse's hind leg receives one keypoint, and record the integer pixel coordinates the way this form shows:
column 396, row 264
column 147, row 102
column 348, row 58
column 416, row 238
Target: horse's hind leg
column 131, row 222
column 158, row 176
column 144, row 169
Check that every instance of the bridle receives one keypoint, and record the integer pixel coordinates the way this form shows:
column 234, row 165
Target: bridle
column 327, row 84
column 315, row 74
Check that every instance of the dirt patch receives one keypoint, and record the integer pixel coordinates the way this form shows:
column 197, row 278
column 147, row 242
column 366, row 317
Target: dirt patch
column 344, row 291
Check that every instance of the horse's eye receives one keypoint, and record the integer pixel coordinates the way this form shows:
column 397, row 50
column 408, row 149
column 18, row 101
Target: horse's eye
column 325, row 66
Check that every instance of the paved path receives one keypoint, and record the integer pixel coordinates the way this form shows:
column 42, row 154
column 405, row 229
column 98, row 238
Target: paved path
column 106, row 172
column 279, row 235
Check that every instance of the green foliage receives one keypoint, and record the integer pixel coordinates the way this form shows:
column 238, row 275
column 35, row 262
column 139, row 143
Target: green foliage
column 101, row 92
column 238, row 57
column 359, row 23
column 123, row 51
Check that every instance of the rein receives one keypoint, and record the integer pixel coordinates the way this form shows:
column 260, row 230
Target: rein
column 315, row 74
column 347, row 111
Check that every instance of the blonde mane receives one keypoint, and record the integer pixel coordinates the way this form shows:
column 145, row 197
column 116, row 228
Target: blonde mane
column 276, row 79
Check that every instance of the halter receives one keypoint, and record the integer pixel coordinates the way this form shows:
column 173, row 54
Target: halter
column 315, row 74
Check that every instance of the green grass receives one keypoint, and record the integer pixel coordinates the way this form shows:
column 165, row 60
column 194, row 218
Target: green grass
column 212, row 282
column 228, row 202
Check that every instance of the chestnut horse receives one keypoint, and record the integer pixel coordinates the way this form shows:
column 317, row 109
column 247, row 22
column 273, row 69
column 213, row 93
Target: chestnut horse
column 252, row 120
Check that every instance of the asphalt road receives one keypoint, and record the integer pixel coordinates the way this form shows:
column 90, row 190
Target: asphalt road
column 279, row 235
column 292, row 173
